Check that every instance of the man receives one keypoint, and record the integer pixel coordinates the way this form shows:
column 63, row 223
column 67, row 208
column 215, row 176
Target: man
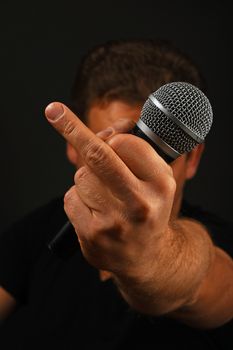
column 150, row 270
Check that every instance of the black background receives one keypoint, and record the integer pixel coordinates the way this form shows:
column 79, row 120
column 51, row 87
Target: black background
column 41, row 45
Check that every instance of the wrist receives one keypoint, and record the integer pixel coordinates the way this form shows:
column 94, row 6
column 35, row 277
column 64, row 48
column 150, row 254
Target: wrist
column 169, row 280
column 144, row 286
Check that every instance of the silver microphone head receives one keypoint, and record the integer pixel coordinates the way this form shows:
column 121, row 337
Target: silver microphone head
column 177, row 117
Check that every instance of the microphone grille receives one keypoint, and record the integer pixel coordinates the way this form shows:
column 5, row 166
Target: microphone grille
column 188, row 105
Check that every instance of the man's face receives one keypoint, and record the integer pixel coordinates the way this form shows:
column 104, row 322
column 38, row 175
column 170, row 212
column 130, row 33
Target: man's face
column 102, row 115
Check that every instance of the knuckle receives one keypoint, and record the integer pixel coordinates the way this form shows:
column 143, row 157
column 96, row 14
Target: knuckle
column 67, row 205
column 94, row 153
column 118, row 142
column 68, row 209
column 69, row 128
column 69, row 196
column 81, row 174
column 99, row 199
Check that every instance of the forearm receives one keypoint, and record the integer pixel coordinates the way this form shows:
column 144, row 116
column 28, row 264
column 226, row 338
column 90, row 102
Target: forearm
column 183, row 257
column 213, row 303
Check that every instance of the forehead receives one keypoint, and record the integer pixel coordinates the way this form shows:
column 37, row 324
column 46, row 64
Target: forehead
column 104, row 114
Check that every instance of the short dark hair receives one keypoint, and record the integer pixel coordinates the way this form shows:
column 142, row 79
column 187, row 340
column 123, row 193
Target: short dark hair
column 129, row 70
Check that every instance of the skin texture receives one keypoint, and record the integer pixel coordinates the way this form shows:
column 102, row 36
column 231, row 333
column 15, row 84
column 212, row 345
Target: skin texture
column 125, row 217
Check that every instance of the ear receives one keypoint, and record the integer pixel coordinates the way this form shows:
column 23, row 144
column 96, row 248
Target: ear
column 71, row 154
column 193, row 160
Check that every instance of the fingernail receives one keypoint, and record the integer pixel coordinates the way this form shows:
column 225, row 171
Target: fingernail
column 54, row 111
column 104, row 134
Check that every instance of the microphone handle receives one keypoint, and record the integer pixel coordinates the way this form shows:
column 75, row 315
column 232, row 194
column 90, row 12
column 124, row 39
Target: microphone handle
column 138, row 132
column 65, row 243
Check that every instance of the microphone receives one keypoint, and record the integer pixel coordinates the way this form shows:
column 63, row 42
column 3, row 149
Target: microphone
column 174, row 119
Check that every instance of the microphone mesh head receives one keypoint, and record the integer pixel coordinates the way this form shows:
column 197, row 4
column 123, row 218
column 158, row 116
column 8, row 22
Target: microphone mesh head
column 186, row 103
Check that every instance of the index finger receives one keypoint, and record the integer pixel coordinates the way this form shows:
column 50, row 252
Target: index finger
column 95, row 153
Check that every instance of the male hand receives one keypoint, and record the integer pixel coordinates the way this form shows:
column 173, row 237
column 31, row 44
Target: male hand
column 120, row 207
column 121, row 202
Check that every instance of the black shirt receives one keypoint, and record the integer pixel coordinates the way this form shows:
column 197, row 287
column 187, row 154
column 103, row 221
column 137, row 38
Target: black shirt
column 64, row 305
